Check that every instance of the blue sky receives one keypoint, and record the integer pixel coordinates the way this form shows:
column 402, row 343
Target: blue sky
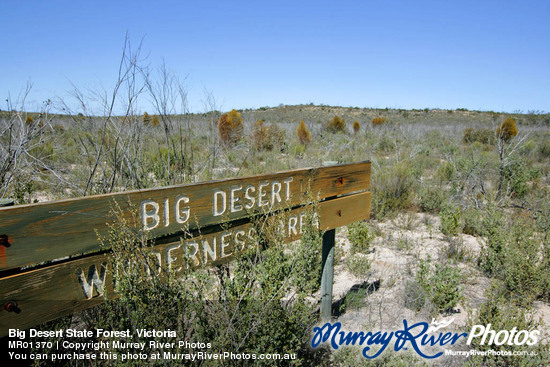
column 483, row 55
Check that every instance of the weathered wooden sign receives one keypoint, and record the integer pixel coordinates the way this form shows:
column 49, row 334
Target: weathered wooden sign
column 51, row 263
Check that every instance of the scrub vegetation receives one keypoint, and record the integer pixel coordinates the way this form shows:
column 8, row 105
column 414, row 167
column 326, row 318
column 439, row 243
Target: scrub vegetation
column 477, row 173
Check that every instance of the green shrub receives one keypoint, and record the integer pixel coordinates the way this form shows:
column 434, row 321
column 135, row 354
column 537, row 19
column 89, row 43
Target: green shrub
column 445, row 173
column 472, row 222
column 161, row 162
column 493, row 228
column 360, row 237
column 524, row 268
column 544, row 148
column 431, row 199
column 391, row 190
column 450, row 221
column 45, row 151
column 308, row 257
column 414, row 295
column 515, row 254
column 244, row 312
column 517, row 174
column 349, row 356
column 354, row 299
column 542, row 219
column 298, row 150
column 407, row 221
column 358, row 265
column 456, row 250
column 23, row 191
column 441, row 284
column 483, row 136
column 403, row 244
column 386, row 144
column 503, row 314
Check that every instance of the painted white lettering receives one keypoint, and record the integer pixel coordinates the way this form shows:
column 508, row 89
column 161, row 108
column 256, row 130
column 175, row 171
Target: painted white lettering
column 281, row 230
column 92, row 280
column 275, row 190
column 153, row 267
column 249, row 197
column 172, row 258
column 302, row 217
column 182, row 214
column 287, row 184
column 192, row 255
column 149, row 216
column 208, row 250
column 292, row 221
column 262, row 194
column 239, row 240
column 166, row 212
column 234, row 206
column 251, row 234
column 224, row 243
column 217, row 211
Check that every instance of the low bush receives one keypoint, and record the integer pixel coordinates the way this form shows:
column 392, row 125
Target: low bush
column 450, row 221
column 445, row 173
column 386, row 144
column 349, row 356
column 356, row 127
column 155, row 121
column 406, row 222
column 391, row 190
column 360, row 237
column 358, row 265
column 515, row 254
column 431, row 199
column 456, row 251
column 303, row 133
column 268, row 137
column 503, row 314
column 146, row 118
column 307, row 257
column 472, row 222
column 494, row 229
column 544, row 149
column 517, row 176
column 336, row 124
column 378, row 121
column 242, row 311
column 230, row 127
column 441, row 284
column 483, row 136
column 414, row 295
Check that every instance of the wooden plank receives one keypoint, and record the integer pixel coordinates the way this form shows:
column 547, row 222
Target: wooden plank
column 37, row 233
column 57, row 290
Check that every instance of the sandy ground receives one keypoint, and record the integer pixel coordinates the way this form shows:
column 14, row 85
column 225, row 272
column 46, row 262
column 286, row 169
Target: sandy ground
column 394, row 260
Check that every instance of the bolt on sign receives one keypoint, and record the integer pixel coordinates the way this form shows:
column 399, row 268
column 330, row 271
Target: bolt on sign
column 52, row 263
